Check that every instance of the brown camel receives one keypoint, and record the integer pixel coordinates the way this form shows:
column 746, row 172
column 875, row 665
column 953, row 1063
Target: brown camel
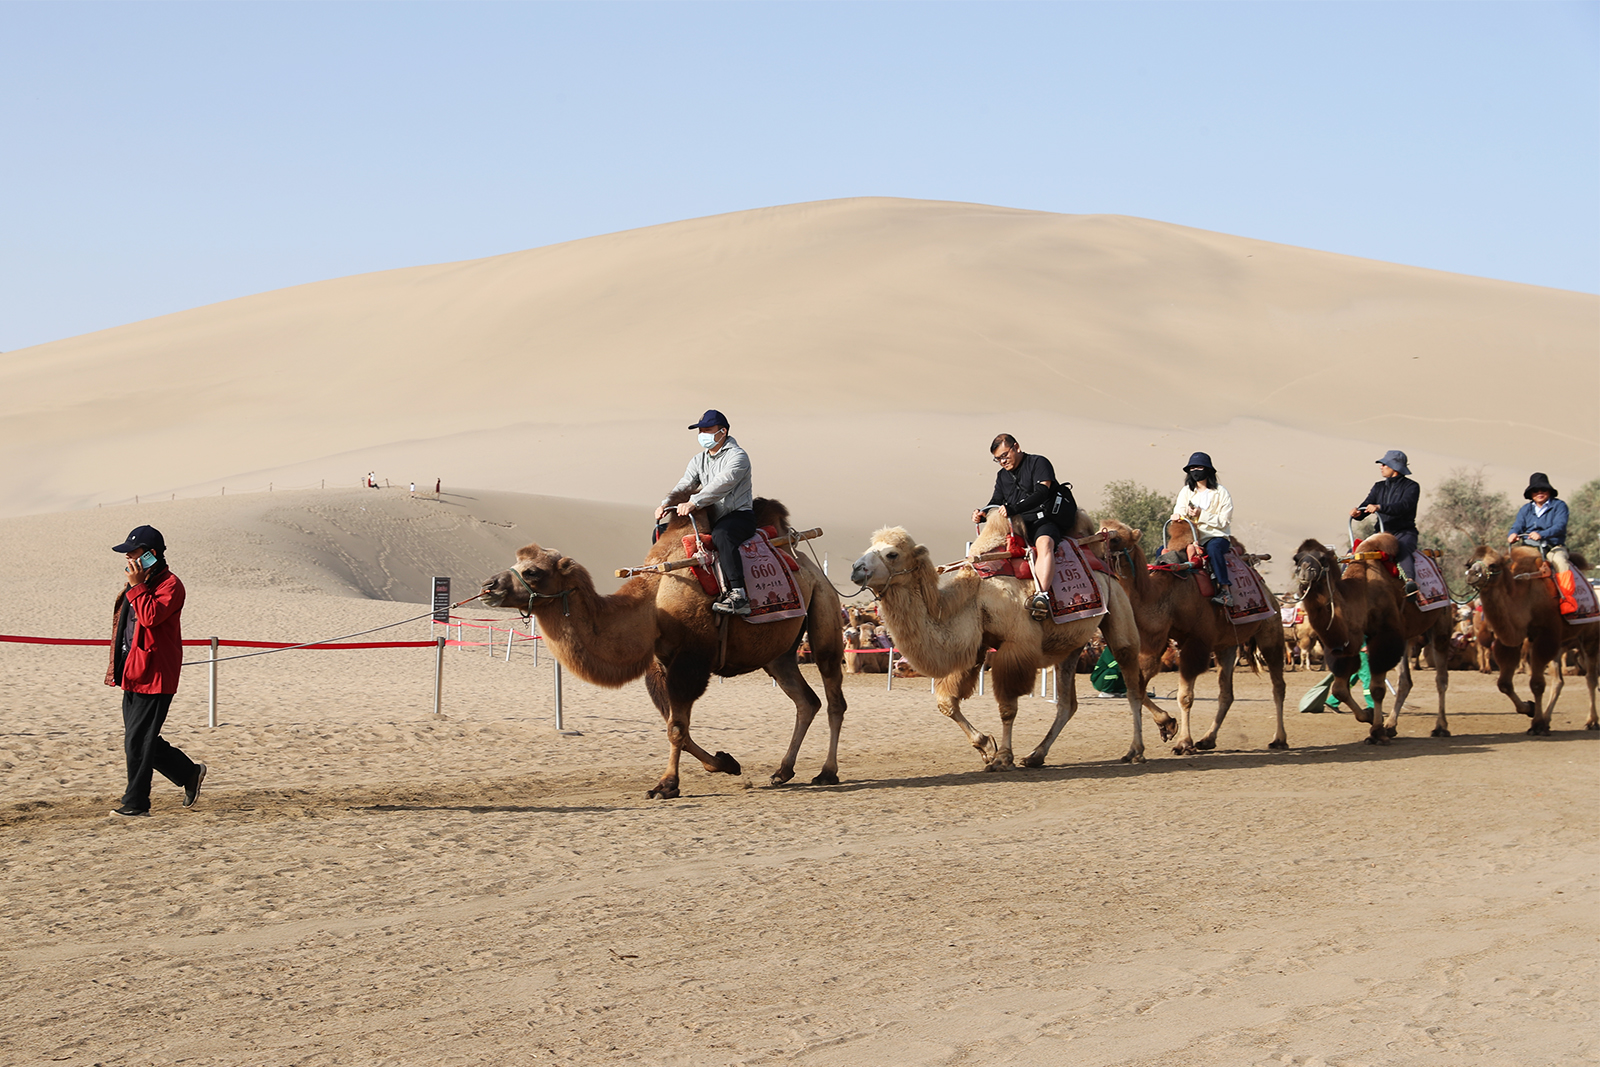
column 662, row 627
column 943, row 625
column 1522, row 606
column 862, row 633
column 1169, row 606
column 1366, row 603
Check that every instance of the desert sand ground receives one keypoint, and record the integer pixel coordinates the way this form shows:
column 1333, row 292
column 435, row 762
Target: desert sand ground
column 364, row 883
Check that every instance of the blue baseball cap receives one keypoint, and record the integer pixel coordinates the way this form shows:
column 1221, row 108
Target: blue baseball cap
column 711, row 418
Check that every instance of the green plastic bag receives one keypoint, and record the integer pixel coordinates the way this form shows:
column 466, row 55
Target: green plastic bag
column 1106, row 677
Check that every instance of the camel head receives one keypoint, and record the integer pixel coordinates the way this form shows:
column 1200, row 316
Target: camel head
column 1485, row 566
column 1121, row 541
column 538, row 573
column 1313, row 562
column 892, row 553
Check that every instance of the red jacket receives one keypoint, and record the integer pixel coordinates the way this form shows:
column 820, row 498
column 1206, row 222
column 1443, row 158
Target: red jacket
column 156, row 653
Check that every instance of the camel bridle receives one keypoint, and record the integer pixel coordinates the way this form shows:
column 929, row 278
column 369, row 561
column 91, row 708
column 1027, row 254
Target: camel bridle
column 533, row 595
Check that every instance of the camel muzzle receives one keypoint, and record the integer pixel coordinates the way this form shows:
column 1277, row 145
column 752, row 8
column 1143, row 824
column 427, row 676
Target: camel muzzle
column 860, row 572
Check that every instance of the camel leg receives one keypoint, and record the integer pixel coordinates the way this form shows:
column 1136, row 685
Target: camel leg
column 1508, row 658
column 1149, row 670
column 786, row 672
column 1130, row 663
column 950, row 691
column 1441, row 680
column 1541, row 713
column 1555, row 692
column 1227, row 659
column 1378, row 733
column 686, row 679
column 1066, row 708
column 1590, row 656
column 1012, row 681
column 1193, row 659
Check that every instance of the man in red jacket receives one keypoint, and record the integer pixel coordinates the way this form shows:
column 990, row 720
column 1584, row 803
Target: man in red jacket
column 146, row 653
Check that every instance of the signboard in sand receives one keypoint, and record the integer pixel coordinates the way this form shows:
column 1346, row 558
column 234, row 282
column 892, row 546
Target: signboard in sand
column 441, row 600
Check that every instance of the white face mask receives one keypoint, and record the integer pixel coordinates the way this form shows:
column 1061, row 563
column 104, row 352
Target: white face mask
column 707, row 440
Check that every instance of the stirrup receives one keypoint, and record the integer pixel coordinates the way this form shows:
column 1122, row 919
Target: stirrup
column 1039, row 606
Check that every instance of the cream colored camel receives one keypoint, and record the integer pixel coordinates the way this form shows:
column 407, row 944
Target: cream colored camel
column 942, row 625
column 662, row 627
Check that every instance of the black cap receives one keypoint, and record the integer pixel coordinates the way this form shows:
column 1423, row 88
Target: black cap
column 711, row 418
column 1539, row 482
column 142, row 537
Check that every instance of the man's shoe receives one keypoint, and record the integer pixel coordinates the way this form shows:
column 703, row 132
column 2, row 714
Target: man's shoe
column 191, row 792
column 1039, row 606
column 731, row 604
column 1411, row 587
column 132, row 813
column 1222, row 598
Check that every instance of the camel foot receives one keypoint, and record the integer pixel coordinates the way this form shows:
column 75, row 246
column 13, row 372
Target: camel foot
column 726, row 764
column 1377, row 739
column 1591, row 726
column 1169, row 729
column 1001, row 762
column 1364, row 715
column 827, row 777
column 1390, row 731
column 1278, row 744
column 1439, row 731
column 782, row 775
column 987, row 747
column 1526, row 707
column 1134, row 757
column 1033, row 759
column 666, row 789
column 1206, row 744
column 1539, row 729
column 1185, row 749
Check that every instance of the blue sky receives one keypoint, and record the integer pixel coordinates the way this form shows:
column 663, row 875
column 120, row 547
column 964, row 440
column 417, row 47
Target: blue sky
column 159, row 157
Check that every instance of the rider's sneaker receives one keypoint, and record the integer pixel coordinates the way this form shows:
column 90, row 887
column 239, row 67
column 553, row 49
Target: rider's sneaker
column 1411, row 587
column 1222, row 598
column 1039, row 606
column 731, row 604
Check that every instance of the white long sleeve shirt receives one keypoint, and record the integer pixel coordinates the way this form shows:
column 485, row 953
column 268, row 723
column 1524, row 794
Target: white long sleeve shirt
column 1216, row 510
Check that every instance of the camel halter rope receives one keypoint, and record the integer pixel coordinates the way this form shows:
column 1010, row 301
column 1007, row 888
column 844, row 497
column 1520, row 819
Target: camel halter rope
column 329, row 640
column 566, row 604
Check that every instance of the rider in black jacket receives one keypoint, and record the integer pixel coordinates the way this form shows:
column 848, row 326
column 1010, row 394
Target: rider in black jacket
column 1394, row 498
column 1025, row 488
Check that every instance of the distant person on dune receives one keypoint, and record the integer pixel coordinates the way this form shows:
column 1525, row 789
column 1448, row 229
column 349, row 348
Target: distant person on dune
column 719, row 478
column 146, row 654
column 1394, row 498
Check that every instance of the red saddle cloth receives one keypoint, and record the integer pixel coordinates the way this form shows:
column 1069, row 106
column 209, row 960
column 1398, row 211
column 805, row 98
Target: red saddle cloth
column 708, row 581
column 1017, row 566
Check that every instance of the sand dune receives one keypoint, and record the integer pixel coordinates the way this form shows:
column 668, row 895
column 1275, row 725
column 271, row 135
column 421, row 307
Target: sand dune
column 866, row 350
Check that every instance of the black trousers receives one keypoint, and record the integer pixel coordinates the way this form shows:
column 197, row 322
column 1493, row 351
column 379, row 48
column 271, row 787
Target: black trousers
column 727, row 534
column 1408, row 548
column 143, row 715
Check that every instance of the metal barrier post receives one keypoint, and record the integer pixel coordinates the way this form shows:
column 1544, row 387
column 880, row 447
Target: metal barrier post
column 438, row 674
column 558, row 696
column 983, row 669
column 213, row 669
column 890, row 687
column 533, row 632
column 511, row 631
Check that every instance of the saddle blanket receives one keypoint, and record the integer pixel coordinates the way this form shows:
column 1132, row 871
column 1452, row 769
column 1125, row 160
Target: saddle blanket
column 1588, row 608
column 1074, row 594
column 773, row 596
column 1432, row 593
column 773, row 592
column 1251, row 603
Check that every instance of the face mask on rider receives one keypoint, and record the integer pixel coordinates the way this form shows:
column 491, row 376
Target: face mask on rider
column 707, row 440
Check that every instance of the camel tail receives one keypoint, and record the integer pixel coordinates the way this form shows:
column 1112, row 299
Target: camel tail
column 1253, row 649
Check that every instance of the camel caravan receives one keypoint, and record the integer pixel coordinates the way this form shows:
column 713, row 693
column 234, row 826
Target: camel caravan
column 727, row 589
